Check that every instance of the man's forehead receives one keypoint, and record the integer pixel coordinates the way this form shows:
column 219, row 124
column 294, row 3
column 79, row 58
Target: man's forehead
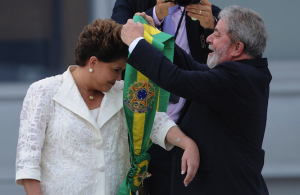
column 220, row 27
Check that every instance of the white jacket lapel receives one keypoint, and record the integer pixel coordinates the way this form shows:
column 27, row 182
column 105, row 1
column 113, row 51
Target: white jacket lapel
column 110, row 105
column 68, row 96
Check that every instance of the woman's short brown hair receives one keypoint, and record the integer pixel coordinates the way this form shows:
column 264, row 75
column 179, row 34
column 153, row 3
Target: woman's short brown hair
column 102, row 39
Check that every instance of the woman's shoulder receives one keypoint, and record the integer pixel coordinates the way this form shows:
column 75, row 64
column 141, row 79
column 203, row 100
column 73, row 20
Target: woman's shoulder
column 47, row 85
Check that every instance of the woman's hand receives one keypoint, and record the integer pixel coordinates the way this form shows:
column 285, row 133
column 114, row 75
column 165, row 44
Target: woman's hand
column 190, row 161
column 191, row 158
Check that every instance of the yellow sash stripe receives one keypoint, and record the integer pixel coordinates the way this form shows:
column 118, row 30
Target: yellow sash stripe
column 138, row 123
column 139, row 118
column 150, row 30
column 138, row 131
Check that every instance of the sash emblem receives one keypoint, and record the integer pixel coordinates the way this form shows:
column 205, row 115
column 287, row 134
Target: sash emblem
column 140, row 96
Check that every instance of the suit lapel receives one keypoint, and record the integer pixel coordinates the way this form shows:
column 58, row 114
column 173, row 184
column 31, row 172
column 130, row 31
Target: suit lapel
column 69, row 97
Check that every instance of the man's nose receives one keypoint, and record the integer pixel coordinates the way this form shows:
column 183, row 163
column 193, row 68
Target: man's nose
column 209, row 39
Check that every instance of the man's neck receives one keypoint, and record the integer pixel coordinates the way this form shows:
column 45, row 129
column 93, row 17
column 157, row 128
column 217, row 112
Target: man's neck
column 242, row 57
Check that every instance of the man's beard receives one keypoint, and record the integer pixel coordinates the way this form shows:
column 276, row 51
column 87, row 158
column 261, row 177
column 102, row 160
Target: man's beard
column 217, row 57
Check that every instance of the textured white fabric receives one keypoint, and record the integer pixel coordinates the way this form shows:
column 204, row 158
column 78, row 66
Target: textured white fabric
column 95, row 112
column 61, row 145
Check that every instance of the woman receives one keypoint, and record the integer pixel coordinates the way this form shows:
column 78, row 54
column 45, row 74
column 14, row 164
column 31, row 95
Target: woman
column 73, row 137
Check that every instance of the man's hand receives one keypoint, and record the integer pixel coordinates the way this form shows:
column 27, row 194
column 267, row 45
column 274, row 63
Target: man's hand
column 162, row 8
column 203, row 13
column 131, row 31
column 149, row 19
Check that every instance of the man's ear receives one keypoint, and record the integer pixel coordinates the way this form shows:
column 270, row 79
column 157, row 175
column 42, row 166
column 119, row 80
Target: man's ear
column 238, row 49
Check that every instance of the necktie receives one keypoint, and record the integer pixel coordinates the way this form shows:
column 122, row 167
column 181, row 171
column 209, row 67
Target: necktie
column 168, row 27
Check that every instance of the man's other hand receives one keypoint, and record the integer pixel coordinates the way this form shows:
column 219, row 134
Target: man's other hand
column 149, row 19
column 162, row 8
column 203, row 13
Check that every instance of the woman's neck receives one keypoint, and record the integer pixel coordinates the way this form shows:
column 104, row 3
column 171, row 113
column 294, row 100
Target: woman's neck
column 91, row 96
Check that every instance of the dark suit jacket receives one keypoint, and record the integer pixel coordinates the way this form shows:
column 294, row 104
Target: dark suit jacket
column 226, row 118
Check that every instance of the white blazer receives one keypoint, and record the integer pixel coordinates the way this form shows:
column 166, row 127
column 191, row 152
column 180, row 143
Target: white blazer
column 66, row 149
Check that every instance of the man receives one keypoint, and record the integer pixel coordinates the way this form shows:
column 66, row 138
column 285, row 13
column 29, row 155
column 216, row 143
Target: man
column 228, row 110
column 191, row 37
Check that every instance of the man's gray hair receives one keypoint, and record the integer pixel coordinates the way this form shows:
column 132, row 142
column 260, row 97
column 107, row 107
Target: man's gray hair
column 246, row 26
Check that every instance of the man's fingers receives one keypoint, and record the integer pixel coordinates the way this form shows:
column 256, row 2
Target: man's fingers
column 140, row 25
column 195, row 9
column 170, row 4
column 131, row 31
column 192, row 15
column 204, row 8
column 167, row 5
column 141, row 14
column 130, row 21
column 205, row 2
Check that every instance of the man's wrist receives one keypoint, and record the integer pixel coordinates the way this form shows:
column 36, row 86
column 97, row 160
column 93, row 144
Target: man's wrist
column 157, row 22
column 133, row 44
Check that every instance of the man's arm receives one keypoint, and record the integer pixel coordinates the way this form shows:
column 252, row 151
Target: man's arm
column 186, row 80
column 186, row 61
column 207, row 87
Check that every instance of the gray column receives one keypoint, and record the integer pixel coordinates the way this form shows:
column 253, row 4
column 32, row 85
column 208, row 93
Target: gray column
column 101, row 9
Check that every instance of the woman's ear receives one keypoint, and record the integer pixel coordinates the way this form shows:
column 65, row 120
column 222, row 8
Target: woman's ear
column 93, row 61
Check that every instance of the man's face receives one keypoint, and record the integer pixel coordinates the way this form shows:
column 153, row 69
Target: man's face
column 219, row 43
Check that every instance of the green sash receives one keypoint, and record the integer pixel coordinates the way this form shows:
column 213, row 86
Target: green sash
column 141, row 99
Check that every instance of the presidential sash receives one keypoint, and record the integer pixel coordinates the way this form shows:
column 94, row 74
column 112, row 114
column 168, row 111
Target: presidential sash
column 141, row 99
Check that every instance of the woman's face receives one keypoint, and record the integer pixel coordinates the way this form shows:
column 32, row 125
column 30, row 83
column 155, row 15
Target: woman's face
column 106, row 74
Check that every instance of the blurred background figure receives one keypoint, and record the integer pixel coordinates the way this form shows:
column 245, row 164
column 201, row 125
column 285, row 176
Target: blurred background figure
column 37, row 39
